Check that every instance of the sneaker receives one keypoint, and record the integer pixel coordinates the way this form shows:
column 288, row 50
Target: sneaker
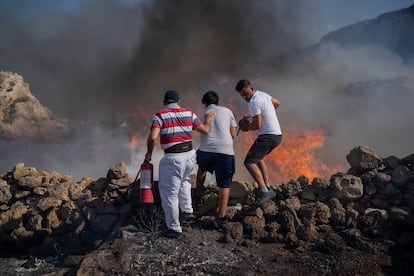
column 171, row 234
column 265, row 197
column 187, row 217
column 220, row 222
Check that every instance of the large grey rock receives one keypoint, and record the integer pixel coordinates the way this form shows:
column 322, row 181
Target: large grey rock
column 238, row 190
column 346, row 187
column 210, row 204
column 408, row 160
column 21, row 171
column 5, row 194
column 10, row 219
column 117, row 171
column 391, row 162
column 338, row 213
column 308, row 194
column 29, row 182
column 320, row 188
column 402, row 175
column 381, row 179
column 363, row 158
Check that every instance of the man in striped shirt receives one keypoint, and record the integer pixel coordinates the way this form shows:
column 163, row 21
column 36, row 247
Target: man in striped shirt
column 174, row 125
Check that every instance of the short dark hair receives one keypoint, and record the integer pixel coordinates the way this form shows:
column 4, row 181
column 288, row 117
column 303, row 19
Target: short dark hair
column 242, row 84
column 210, row 97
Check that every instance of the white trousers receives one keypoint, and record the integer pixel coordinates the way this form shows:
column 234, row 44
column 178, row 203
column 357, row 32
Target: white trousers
column 174, row 184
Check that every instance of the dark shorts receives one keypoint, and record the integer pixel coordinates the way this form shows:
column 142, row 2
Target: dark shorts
column 261, row 147
column 222, row 164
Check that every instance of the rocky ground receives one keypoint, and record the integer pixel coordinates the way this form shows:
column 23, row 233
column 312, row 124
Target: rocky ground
column 200, row 251
column 357, row 223
column 139, row 249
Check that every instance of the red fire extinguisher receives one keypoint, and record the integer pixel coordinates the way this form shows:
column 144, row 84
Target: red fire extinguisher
column 146, row 195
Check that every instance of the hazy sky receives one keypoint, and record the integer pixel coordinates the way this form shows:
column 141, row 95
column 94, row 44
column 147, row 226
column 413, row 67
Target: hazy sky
column 332, row 14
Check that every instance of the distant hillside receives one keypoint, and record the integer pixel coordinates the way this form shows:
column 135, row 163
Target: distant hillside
column 394, row 87
column 393, row 31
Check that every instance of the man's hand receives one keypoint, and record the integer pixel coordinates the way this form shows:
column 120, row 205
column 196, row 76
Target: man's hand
column 245, row 123
column 210, row 115
column 205, row 128
column 148, row 156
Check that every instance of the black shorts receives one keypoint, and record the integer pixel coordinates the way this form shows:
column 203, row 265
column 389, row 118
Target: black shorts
column 261, row 147
column 222, row 164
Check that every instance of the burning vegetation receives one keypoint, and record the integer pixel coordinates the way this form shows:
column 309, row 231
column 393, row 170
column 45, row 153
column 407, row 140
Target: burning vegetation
column 296, row 156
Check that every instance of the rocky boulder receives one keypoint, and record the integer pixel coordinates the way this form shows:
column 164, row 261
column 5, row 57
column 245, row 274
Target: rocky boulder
column 22, row 115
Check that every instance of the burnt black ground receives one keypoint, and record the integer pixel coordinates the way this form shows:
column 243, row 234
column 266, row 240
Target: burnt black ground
column 199, row 251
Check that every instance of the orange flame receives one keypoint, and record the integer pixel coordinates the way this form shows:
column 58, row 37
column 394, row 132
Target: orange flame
column 297, row 155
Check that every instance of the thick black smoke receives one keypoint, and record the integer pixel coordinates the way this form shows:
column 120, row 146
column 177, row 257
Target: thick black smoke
column 104, row 60
column 100, row 60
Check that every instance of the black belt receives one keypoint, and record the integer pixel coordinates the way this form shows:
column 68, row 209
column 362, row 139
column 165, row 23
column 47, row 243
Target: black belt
column 183, row 147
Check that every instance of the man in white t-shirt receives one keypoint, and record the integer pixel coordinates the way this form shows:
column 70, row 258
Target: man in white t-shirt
column 263, row 118
column 216, row 153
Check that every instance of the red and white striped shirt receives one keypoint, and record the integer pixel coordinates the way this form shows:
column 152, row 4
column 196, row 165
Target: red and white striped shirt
column 176, row 125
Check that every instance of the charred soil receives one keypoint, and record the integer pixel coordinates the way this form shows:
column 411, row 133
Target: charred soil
column 203, row 250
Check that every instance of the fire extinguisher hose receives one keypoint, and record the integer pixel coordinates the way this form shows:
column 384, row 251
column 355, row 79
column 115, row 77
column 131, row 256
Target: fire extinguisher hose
column 136, row 178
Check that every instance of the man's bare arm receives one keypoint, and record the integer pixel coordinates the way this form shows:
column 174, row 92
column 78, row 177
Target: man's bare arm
column 275, row 102
column 152, row 137
column 233, row 132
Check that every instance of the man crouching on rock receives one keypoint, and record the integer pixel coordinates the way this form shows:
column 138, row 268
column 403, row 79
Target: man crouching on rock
column 174, row 124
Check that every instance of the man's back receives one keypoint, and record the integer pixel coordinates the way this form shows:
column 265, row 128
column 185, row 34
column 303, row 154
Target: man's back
column 219, row 140
column 261, row 102
column 176, row 125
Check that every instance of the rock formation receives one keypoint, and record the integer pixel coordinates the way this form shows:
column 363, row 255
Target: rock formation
column 22, row 115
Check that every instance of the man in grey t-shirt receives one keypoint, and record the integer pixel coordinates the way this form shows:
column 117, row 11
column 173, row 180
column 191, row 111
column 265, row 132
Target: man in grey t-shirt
column 216, row 153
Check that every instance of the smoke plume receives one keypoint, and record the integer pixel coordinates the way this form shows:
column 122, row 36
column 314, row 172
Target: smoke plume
column 109, row 63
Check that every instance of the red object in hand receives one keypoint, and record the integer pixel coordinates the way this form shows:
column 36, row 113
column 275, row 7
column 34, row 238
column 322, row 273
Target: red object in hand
column 146, row 183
